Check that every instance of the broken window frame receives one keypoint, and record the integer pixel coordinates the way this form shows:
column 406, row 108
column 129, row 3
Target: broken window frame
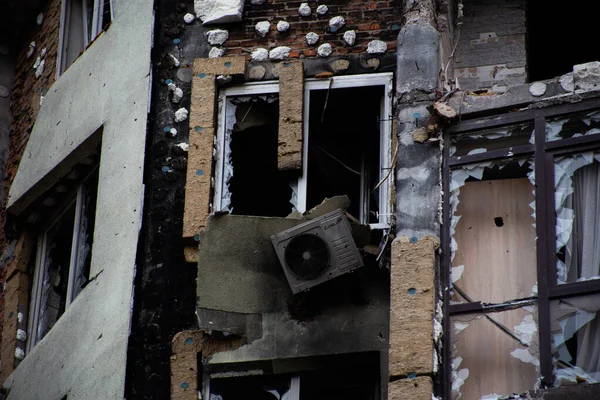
column 75, row 252
column 311, row 84
column 88, row 33
column 294, row 393
column 544, row 151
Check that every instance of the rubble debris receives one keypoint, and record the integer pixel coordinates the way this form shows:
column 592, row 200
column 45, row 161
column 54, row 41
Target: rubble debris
column 21, row 335
column 181, row 115
column 444, row 110
column 31, row 49
column 340, row 65
column 324, row 50
column 177, row 93
column 420, row 135
column 587, row 76
column 350, row 37
column 175, row 60
column 224, row 79
column 189, row 18
column 304, row 10
column 40, row 69
column 537, row 89
column 257, row 72
column 283, row 26
column 219, row 11
column 279, row 53
column 40, row 19
column 262, row 28
column 216, row 52
column 336, row 23
column 312, row 38
column 376, row 47
column 19, row 354
column 183, row 146
column 322, row 9
column 217, row 36
column 566, row 82
column 173, row 132
column 260, row 54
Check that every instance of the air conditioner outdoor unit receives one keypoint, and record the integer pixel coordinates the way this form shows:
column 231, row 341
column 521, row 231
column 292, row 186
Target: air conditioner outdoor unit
column 317, row 251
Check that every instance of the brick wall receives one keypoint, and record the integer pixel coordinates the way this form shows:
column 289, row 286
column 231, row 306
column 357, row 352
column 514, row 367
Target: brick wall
column 491, row 51
column 370, row 19
column 25, row 104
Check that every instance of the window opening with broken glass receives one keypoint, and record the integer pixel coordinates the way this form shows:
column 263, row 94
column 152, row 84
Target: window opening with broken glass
column 81, row 22
column 347, row 146
column 521, row 252
column 64, row 250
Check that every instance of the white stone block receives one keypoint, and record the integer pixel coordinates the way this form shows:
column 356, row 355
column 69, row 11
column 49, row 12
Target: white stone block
column 219, row 11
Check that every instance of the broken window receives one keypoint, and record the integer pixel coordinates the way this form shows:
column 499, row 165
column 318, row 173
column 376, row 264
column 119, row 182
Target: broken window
column 522, row 239
column 81, row 22
column 339, row 377
column 494, row 354
column 64, row 253
column 341, row 155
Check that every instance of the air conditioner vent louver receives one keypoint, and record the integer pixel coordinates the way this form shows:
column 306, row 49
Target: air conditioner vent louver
column 317, row 250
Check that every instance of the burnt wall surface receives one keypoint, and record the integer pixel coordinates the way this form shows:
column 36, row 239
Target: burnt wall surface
column 165, row 293
column 165, row 286
column 491, row 50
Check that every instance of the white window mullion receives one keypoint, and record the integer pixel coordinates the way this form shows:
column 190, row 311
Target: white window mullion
column 97, row 17
column 36, row 295
column 303, row 179
column 295, row 388
column 75, row 244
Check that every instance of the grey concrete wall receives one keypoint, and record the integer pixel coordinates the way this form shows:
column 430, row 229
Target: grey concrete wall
column 7, row 73
column 491, row 50
column 108, row 86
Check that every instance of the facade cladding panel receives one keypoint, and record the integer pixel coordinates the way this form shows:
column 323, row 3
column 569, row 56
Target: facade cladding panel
column 154, row 152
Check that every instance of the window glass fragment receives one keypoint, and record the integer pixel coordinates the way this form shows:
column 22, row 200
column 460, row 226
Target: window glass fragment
column 577, row 212
column 491, row 139
column 575, row 329
column 576, row 125
column 495, row 354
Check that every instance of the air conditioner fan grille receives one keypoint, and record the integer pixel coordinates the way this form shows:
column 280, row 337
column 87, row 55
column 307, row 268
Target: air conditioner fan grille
column 307, row 256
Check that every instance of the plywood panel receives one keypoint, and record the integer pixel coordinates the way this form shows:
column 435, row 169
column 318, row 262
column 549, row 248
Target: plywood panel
column 499, row 261
column 486, row 355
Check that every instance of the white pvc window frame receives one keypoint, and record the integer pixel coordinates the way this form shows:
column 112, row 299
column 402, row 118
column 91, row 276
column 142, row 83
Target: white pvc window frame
column 339, row 82
column 88, row 33
column 40, row 260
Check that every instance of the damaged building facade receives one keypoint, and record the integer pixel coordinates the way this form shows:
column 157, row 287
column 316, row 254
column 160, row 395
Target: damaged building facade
column 226, row 199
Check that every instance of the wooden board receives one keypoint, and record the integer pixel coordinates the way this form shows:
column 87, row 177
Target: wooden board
column 499, row 261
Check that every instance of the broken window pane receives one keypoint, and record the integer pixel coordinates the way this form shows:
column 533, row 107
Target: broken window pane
column 270, row 387
column 494, row 354
column 344, row 149
column 575, row 331
column 577, row 196
column 85, row 234
column 56, row 261
column 492, row 139
column 252, row 183
column 574, row 126
column 493, row 231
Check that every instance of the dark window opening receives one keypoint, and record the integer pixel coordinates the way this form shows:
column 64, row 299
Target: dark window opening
column 556, row 38
column 257, row 186
column 344, row 147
